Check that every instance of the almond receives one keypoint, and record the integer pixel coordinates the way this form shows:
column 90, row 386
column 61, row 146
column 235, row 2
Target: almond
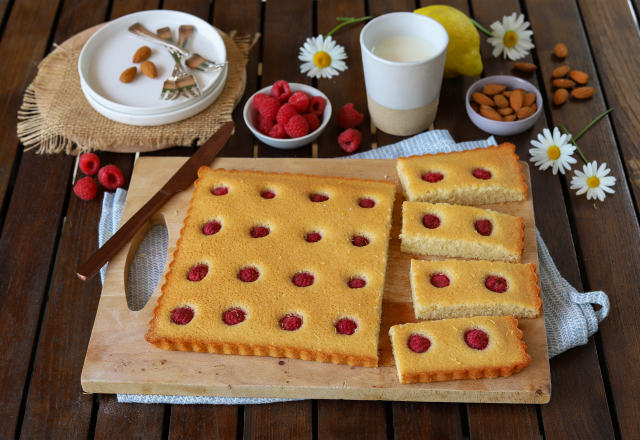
column 560, row 96
column 561, row 50
column 506, row 93
column 475, row 107
column 526, row 67
column 501, row 101
column 563, row 83
column 128, row 74
column 505, row 111
column 141, row 54
column 561, row 71
column 515, row 100
column 583, row 92
column 149, row 69
column 528, row 99
column 490, row 113
column 525, row 112
column 579, row 77
column 534, row 107
column 493, row 89
column 482, row 99
column 509, row 118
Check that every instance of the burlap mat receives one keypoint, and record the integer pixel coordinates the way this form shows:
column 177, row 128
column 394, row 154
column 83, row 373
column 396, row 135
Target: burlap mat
column 56, row 117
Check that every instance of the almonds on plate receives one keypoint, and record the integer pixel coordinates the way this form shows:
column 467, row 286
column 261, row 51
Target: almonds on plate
column 493, row 89
column 501, row 101
column 561, row 50
column 579, row 77
column 490, row 113
column 141, row 54
column 563, row 83
column 528, row 99
column 583, row 92
column 515, row 100
column 482, row 99
column 504, row 105
column 525, row 67
column 149, row 69
column 475, row 107
column 561, row 71
column 560, row 96
column 525, row 112
column 505, row 111
column 509, row 118
column 128, row 74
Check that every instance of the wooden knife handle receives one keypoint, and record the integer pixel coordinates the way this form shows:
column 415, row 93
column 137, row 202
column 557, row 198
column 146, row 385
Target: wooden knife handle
column 124, row 234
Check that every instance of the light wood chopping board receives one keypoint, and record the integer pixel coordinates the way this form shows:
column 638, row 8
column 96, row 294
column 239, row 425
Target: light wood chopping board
column 119, row 360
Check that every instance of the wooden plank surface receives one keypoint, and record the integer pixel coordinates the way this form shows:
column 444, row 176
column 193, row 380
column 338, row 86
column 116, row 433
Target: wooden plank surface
column 203, row 421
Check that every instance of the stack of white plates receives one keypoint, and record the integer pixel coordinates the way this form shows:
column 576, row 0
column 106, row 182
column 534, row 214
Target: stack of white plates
column 109, row 52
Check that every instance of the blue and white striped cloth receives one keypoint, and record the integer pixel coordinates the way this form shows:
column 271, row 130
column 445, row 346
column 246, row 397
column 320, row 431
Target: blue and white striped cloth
column 569, row 315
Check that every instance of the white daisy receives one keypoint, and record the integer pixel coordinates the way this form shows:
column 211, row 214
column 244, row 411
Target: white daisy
column 511, row 37
column 553, row 150
column 322, row 57
column 593, row 181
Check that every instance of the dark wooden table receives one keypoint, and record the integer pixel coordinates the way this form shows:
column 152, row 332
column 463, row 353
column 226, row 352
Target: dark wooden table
column 47, row 232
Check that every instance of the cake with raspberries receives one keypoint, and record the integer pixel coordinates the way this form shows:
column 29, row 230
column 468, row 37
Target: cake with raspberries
column 447, row 230
column 455, row 349
column 278, row 265
column 459, row 289
column 472, row 177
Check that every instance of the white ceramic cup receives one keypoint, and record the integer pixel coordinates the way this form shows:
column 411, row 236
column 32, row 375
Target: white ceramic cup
column 403, row 97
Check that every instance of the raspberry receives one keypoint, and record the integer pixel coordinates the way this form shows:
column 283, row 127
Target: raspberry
column 269, row 108
column 278, row 132
column 290, row 322
column 182, row 315
column 233, row 316
column 285, row 113
column 220, row 191
column 89, row 164
column 303, row 279
column 481, row 174
column 197, row 273
column 268, row 195
column 86, row 188
column 418, row 343
column 484, row 227
column 350, row 140
column 259, row 232
column 248, row 274
column 313, row 237
column 349, row 117
column 440, row 280
column 300, row 101
column 367, row 203
column 281, row 90
column 297, row 127
column 313, row 121
column 346, row 326
column 318, row 198
column 430, row 221
column 264, row 125
column 496, row 284
column 259, row 99
column 360, row 241
column 211, row 228
column 357, row 283
column 476, row 339
column 110, row 177
column 317, row 105
column 433, row 177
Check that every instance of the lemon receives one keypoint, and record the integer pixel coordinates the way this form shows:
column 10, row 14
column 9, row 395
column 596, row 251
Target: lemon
column 463, row 53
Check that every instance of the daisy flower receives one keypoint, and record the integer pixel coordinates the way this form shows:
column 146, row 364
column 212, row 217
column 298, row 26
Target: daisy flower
column 593, row 181
column 322, row 57
column 511, row 37
column 553, row 150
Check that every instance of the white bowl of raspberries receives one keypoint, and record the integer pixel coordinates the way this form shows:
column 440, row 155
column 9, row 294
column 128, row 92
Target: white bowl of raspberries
column 287, row 115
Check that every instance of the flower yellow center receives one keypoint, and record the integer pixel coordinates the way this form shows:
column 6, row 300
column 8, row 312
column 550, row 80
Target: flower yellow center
column 553, row 152
column 593, row 182
column 510, row 39
column 322, row 59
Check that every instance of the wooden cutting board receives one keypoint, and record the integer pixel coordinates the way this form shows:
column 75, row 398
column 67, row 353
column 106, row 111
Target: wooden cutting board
column 119, row 360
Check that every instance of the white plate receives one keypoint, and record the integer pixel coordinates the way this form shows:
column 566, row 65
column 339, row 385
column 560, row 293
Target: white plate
column 109, row 52
column 164, row 118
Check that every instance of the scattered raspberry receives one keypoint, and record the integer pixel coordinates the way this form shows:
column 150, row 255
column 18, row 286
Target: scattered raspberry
column 484, row 227
column 300, row 101
column 268, row 195
column 346, row 326
column 89, row 164
column 86, row 188
column 317, row 105
column 357, row 283
column 430, row 221
column 197, row 273
column 286, row 112
column 313, row 121
column 248, row 274
column 360, row 241
column 259, row 232
column 233, row 316
column 290, row 322
column 281, row 90
column 182, row 315
column 350, row 140
column 303, row 279
column 367, row 203
column 259, row 99
column 318, row 198
column 496, row 284
column 264, row 125
column 482, row 174
column 269, row 108
column 313, row 237
column 349, row 117
column 297, row 127
column 220, row 191
column 110, row 177
column 433, row 177
column 278, row 132
column 211, row 228
column 476, row 339
column 418, row 343
column 440, row 280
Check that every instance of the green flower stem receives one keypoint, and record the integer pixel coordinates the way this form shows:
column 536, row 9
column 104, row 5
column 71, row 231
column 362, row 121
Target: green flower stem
column 345, row 21
column 593, row 123
column 574, row 143
column 482, row 28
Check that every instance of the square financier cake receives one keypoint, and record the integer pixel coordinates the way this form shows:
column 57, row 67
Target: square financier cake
column 454, row 349
column 278, row 265
column 462, row 289
column 472, row 177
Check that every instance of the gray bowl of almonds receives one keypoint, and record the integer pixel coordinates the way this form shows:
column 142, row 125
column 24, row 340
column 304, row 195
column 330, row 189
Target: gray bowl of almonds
column 503, row 105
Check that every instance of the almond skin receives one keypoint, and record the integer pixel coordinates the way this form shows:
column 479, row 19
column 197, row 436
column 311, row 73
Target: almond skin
column 560, row 96
column 583, row 92
column 490, row 113
column 482, row 99
column 475, row 107
column 493, row 89
column 128, row 74
column 561, row 71
column 579, row 77
column 509, row 118
column 141, row 54
column 526, row 67
column 505, row 111
column 525, row 112
column 149, row 69
column 528, row 99
column 561, row 50
column 501, row 101
column 515, row 100
column 563, row 83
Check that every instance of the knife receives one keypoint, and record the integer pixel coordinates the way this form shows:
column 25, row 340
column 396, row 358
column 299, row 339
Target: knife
column 180, row 181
